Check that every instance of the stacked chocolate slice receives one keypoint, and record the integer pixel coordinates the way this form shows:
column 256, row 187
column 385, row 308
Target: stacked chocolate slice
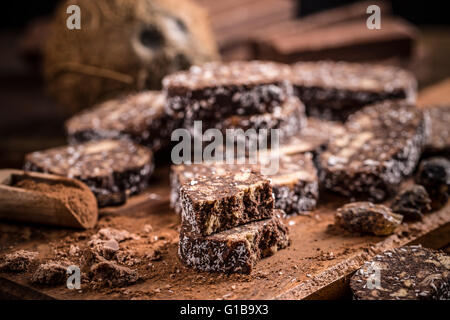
column 229, row 221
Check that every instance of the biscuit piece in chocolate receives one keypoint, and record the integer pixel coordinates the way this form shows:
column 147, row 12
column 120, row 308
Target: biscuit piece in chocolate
column 381, row 146
column 407, row 273
column 139, row 117
column 438, row 142
column 221, row 202
column 217, row 90
column 434, row 175
column 235, row 250
column 366, row 217
column 294, row 184
column 112, row 169
column 334, row 90
column 412, row 202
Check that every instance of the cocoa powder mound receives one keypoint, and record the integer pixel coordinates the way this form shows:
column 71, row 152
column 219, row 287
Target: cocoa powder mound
column 72, row 196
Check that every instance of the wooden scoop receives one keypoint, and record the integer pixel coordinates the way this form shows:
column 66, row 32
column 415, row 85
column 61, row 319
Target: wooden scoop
column 24, row 205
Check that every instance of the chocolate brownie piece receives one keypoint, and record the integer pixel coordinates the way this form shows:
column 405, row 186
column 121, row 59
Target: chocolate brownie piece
column 140, row 117
column 221, row 202
column 334, row 90
column 412, row 202
column 407, row 273
column 366, row 217
column 434, row 175
column 112, row 169
column 218, row 90
column 294, row 185
column 382, row 145
column 235, row 250
column 438, row 142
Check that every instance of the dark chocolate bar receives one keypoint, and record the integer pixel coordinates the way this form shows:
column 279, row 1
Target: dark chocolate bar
column 139, row 117
column 334, row 90
column 214, row 91
column 407, row 273
column 221, row 202
column 381, row 146
column 235, row 250
column 112, row 169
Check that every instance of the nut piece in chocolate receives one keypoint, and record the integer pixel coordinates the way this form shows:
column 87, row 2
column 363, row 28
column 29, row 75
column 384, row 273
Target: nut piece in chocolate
column 434, row 175
column 407, row 273
column 334, row 90
column 381, row 146
column 236, row 250
column 412, row 202
column 366, row 217
column 217, row 90
column 221, row 202
column 112, row 169
column 139, row 117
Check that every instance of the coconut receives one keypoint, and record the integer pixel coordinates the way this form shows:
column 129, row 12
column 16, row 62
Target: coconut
column 123, row 46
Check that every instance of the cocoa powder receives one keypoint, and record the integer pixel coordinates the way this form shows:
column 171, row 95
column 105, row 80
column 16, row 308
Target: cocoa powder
column 71, row 195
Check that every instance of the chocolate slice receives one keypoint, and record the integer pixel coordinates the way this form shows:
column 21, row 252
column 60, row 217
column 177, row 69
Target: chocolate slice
column 334, row 90
column 313, row 137
column 139, row 117
column 438, row 142
column 235, row 250
column 407, row 273
column 221, row 202
column 381, row 146
column 366, row 217
column 219, row 90
column 112, row 169
column 289, row 118
column 294, row 185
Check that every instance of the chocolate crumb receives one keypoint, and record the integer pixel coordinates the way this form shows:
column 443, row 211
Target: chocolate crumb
column 50, row 274
column 412, row 202
column 19, row 261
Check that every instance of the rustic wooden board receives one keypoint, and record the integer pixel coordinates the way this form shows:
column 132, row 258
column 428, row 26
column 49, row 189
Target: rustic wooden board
column 317, row 265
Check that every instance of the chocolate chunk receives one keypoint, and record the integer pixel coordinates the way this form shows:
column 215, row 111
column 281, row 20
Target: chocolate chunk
column 112, row 169
column 334, row 90
column 407, row 273
column 221, row 202
column 412, row 202
column 139, row 117
column 19, row 261
column 438, row 142
column 108, row 273
column 234, row 250
column 434, row 175
column 366, row 217
column 219, row 90
column 295, row 183
column 381, row 146
column 50, row 274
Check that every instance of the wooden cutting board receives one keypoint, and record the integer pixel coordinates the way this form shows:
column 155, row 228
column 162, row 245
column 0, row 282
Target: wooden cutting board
column 317, row 265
